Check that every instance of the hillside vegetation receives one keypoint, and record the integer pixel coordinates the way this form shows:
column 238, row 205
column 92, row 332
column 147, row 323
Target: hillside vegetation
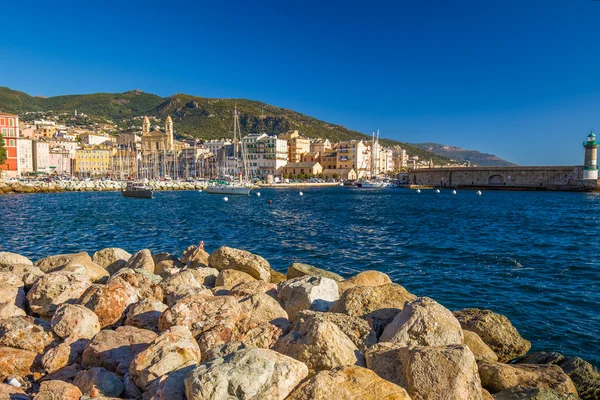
column 194, row 116
column 462, row 155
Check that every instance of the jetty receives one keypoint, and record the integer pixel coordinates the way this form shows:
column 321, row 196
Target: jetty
column 192, row 326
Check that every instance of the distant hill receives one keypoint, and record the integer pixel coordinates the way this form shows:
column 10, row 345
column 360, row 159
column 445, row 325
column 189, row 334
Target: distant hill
column 194, row 116
column 462, row 155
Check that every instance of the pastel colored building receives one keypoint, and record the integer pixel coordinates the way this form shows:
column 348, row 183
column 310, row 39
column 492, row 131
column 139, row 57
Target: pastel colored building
column 9, row 131
column 295, row 169
column 297, row 145
column 93, row 161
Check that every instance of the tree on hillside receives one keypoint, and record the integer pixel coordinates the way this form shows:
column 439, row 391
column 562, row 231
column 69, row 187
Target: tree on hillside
column 2, row 152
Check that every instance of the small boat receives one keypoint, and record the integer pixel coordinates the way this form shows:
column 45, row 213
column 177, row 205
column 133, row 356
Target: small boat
column 230, row 188
column 370, row 184
column 138, row 190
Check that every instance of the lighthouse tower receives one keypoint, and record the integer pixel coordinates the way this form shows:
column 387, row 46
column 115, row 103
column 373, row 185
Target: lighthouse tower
column 590, row 164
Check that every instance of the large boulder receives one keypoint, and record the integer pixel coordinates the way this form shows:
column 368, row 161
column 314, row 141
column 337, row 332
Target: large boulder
column 8, row 278
column 480, row 350
column 229, row 278
column 348, row 383
column 255, row 333
column 109, row 301
column 55, row 289
column 76, row 262
column 187, row 291
column 114, row 350
column 496, row 377
column 377, row 304
column 10, row 310
column 26, row 272
column 9, row 392
column 57, row 389
column 144, row 287
column 210, row 319
column 173, row 349
column 181, row 280
column 320, row 344
column 585, row 376
column 196, row 255
column 496, row 331
column 428, row 372
column 205, row 276
column 265, row 308
column 142, row 260
column 297, row 270
column 145, row 314
column 423, row 322
column 240, row 260
column 112, row 258
column 532, row 393
column 75, row 322
column 246, row 374
column 11, row 295
column 357, row 329
column 307, row 293
column 170, row 386
column 16, row 363
column 8, row 259
column 61, row 356
column 250, row 288
column 365, row 278
column 26, row 333
column 98, row 381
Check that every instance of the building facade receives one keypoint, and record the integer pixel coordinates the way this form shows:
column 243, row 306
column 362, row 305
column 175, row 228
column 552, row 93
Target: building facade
column 296, row 144
column 295, row 169
column 25, row 156
column 41, row 156
column 266, row 154
column 356, row 155
column 93, row 161
column 9, row 132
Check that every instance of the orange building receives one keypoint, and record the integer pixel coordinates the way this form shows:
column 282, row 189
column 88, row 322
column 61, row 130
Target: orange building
column 9, row 130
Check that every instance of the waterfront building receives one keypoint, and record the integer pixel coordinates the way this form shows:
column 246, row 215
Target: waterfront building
column 93, row 161
column 59, row 161
column 294, row 169
column 25, row 156
column 9, row 132
column 159, row 150
column 311, row 157
column 345, row 174
column 386, row 160
column 329, row 160
column 296, row 144
column 320, row 146
column 266, row 154
column 92, row 139
column 590, row 164
column 356, row 155
column 399, row 158
column 41, row 156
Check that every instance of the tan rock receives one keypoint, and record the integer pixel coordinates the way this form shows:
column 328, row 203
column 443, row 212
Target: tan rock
column 26, row 333
column 98, row 381
column 55, row 390
column 496, row 331
column 172, row 386
column 109, row 301
column 143, row 286
column 296, row 270
column 54, row 289
column 480, row 350
column 95, row 272
column 112, row 258
column 254, row 373
column 9, row 392
column 240, row 260
column 222, row 350
column 496, row 377
column 143, row 260
column 307, row 293
column 428, row 372
column 51, row 263
column 255, row 333
column 348, row 383
column 12, row 295
column 114, row 350
column 210, row 319
column 16, row 363
column 357, row 329
column 205, row 276
column 173, row 349
column 423, row 322
column 10, row 279
column 75, row 321
column 144, row 314
column 196, row 255
column 10, row 310
column 26, row 272
column 59, row 357
column 532, row 393
column 66, row 374
column 249, row 288
column 365, row 278
column 378, row 305
column 187, row 291
column 277, row 277
column 321, row 345
column 166, row 268
column 185, row 278
column 263, row 307
column 8, row 259
column 229, row 278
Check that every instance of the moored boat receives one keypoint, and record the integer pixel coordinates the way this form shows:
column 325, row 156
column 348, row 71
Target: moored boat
column 138, row 190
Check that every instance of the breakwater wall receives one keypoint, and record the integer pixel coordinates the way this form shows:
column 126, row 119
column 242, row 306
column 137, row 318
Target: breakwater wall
column 164, row 326
column 560, row 178
column 88, row 186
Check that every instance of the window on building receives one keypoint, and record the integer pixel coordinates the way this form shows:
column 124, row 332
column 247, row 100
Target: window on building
column 11, row 142
column 11, row 132
column 11, row 122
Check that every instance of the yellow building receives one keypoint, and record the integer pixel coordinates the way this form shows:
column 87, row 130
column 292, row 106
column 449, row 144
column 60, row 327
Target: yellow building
column 301, row 168
column 297, row 145
column 356, row 155
column 93, row 161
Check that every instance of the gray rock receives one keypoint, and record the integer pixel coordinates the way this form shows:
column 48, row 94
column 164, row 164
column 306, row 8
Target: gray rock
column 307, row 293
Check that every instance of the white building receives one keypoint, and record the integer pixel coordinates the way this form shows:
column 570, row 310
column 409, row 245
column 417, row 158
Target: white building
column 266, row 154
column 41, row 156
column 215, row 145
column 25, row 155
column 92, row 139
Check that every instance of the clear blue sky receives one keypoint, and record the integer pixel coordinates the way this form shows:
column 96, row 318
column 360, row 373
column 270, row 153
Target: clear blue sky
column 517, row 78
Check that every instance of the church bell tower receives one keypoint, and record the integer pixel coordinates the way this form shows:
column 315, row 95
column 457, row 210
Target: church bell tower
column 146, row 125
column 169, row 131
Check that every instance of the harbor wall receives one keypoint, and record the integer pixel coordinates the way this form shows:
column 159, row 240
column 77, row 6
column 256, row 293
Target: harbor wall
column 569, row 178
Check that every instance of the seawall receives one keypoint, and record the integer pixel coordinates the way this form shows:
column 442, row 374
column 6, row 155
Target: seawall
column 88, row 186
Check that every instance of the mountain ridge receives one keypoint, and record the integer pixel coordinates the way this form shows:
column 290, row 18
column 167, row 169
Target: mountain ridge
column 464, row 155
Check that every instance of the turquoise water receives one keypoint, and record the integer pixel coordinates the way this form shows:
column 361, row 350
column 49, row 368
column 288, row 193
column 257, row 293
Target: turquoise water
column 531, row 256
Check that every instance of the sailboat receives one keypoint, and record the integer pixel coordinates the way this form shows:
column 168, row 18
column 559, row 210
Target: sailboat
column 241, row 186
column 373, row 182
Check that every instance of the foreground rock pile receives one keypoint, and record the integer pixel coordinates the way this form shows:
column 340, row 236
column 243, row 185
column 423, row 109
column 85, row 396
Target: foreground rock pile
column 227, row 326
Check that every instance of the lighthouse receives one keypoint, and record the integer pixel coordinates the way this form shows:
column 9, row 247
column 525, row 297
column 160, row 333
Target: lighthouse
column 590, row 164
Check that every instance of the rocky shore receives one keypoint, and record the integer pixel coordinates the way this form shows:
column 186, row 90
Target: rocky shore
column 88, row 186
column 227, row 326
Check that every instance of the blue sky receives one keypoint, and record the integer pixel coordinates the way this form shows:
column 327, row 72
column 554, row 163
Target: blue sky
column 517, row 78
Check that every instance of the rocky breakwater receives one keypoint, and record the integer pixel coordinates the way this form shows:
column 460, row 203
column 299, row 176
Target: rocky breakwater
column 88, row 186
column 225, row 326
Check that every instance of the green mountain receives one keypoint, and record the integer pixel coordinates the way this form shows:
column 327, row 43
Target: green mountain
column 193, row 116
column 462, row 155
